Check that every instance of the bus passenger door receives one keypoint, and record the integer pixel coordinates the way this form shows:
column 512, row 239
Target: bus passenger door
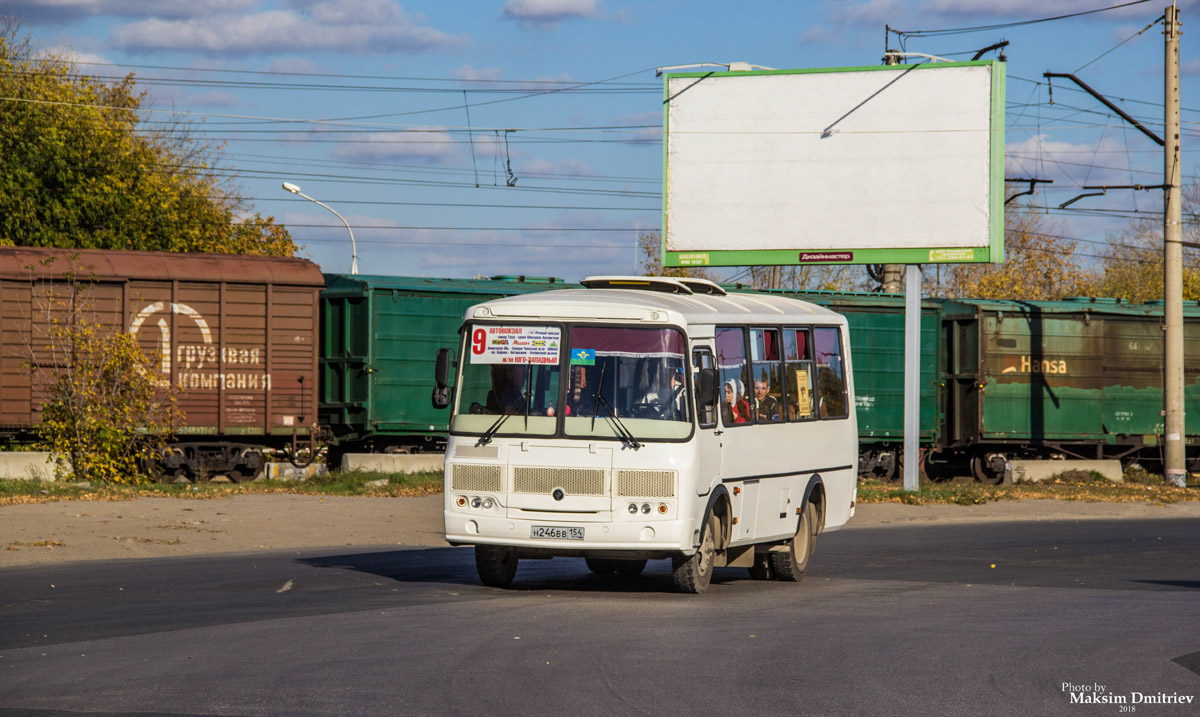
column 708, row 435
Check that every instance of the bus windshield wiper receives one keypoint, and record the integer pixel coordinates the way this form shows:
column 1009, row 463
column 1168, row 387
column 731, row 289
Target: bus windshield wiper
column 598, row 399
column 622, row 431
column 486, row 438
column 597, row 395
column 528, row 391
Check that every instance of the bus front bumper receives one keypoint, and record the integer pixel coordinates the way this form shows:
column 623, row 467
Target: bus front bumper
column 657, row 537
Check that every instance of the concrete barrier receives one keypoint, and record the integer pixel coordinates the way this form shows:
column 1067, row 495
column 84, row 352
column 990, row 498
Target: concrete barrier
column 393, row 462
column 1035, row 471
column 26, row 465
column 288, row 472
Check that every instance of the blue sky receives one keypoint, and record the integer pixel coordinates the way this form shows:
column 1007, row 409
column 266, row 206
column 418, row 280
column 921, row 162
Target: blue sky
column 413, row 118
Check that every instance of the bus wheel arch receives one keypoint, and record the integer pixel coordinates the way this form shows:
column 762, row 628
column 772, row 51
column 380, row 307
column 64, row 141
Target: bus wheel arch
column 723, row 510
column 815, row 494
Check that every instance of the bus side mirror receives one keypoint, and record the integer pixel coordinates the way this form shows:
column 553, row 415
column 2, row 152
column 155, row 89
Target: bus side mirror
column 707, row 390
column 441, row 379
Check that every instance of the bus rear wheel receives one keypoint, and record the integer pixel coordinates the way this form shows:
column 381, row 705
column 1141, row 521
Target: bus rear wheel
column 693, row 573
column 497, row 566
column 791, row 563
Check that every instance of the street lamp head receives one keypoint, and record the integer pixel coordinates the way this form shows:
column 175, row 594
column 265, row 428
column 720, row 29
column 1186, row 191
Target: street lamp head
column 291, row 187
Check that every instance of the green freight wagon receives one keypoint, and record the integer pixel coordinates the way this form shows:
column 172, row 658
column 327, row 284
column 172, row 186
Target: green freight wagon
column 380, row 335
column 1080, row 378
column 877, row 353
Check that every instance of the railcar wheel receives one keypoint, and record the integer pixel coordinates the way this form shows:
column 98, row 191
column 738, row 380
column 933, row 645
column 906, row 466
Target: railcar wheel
column 630, row 567
column 693, row 573
column 791, row 564
column 242, row 475
column 983, row 473
column 497, row 566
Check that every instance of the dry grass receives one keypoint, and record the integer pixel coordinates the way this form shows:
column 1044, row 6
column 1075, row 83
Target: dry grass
column 355, row 483
column 1139, row 487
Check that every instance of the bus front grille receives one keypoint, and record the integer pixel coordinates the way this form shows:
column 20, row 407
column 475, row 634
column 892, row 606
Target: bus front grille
column 646, row 484
column 468, row 451
column 482, row 478
column 574, row 481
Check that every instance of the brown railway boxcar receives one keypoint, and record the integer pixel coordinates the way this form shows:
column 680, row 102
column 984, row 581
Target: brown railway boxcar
column 236, row 335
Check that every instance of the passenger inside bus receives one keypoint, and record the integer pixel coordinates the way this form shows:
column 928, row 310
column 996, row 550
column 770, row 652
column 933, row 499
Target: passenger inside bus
column 508, row 386
column 580, row 391
column 735, row 409
column 766, row 406
column 664, row 397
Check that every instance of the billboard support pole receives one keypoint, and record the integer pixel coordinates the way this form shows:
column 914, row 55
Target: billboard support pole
column 912, row 376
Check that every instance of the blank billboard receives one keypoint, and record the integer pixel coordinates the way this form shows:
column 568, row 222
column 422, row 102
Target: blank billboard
column 898, row 164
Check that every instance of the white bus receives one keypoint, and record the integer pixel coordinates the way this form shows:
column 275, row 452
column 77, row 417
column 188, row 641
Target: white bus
column 649, row 418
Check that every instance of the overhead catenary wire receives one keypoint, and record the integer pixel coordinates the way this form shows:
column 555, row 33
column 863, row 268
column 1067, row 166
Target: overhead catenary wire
column 1007, row 25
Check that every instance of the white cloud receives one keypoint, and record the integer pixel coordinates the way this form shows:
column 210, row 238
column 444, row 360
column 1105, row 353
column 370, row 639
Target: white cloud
column 1071, row 166
column 569, row 167
column 299, row 65
column 352, row 26
column 66, row 11
column 548, row 14
column 86, row 61
column 477, row 75
column 431, row 147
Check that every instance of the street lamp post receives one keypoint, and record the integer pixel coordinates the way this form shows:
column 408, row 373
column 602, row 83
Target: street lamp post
column 353, row 246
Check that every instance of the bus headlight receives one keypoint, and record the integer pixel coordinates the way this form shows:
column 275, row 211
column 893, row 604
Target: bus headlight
column 646, row 508
column 488, row 503
column 633, row 508
column 476, row 502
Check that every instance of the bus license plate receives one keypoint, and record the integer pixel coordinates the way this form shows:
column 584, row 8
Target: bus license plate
column 553, row 533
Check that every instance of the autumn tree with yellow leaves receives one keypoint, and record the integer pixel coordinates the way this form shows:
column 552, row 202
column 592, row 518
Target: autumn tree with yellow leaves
column 1132, row 265
column 104, row 412
column 79, row 168
column 1039, row 264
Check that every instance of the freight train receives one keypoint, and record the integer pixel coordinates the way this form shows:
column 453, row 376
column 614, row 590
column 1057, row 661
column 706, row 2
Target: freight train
column 270, row 353
column 236, row 335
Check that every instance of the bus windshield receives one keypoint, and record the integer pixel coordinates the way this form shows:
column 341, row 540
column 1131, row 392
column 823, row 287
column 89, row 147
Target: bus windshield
column 509, row 380
column 617, row 382
column 631, row 378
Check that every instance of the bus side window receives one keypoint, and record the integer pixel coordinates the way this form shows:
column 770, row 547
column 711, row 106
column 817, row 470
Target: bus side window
column 831, row 376
column 731, row 362
column 798, row 374
column 703, row 358
column 767, row 395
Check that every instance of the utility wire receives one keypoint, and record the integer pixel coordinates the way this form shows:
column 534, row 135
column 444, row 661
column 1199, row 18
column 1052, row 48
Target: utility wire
column 52, row 60
column 1002, row 26
column 1122, row 42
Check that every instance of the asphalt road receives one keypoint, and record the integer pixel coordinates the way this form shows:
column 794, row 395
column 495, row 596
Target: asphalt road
column 889, row 621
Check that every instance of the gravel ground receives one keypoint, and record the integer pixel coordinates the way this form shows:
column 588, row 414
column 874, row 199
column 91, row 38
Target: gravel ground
column 161, row 527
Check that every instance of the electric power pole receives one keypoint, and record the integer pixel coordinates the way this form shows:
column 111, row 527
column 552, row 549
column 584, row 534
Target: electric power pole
column 1175, row 472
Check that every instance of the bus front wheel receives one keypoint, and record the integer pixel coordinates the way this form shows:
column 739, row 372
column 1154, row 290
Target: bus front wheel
column 693, row 573
column 496, row 566
column 791, row 563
